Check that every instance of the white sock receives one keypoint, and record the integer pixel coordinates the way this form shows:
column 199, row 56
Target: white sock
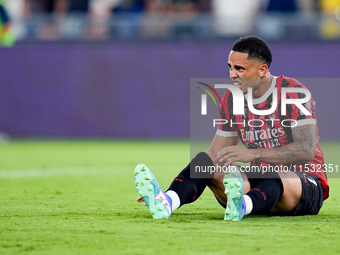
column 175, row 199
column 249, row 204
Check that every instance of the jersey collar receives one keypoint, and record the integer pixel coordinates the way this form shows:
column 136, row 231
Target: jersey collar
column 265, row 96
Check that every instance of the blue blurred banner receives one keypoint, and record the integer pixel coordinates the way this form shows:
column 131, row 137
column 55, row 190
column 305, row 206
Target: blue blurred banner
column 138, row 90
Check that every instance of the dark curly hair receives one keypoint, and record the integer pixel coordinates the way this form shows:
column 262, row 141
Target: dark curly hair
column 255, row 47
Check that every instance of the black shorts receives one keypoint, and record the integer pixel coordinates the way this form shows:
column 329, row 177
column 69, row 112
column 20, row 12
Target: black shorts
column 312, row 196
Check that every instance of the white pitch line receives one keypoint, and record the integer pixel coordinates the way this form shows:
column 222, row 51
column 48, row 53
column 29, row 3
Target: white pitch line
column 41, row 172
column 22, row 173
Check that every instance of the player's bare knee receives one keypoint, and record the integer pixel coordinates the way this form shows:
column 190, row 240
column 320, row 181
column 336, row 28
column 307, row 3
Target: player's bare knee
column 292, row 192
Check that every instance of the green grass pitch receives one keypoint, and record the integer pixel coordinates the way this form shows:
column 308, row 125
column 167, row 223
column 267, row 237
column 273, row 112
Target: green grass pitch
column 78, row 197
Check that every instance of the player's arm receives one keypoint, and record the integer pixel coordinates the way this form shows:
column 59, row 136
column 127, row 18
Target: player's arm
column 302, row 149
column 220, row 142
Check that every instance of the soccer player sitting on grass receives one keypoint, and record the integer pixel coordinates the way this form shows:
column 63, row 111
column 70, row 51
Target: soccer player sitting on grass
column 280, row 142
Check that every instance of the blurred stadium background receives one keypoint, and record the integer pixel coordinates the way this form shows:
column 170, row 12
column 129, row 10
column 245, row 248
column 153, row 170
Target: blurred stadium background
column 121, row 68
column 117, row 73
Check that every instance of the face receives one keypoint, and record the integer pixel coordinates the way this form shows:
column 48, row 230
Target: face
column 245, row 72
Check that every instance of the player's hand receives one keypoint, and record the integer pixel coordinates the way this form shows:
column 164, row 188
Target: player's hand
column 231, row 154
column 140, row 200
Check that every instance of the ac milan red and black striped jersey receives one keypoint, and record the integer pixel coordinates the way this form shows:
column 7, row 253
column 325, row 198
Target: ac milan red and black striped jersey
column 275, row 129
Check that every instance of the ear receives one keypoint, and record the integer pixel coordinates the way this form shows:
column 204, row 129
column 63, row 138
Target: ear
column 263, row 70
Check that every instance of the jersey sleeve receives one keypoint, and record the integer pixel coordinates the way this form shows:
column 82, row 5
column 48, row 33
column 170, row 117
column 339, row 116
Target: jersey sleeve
column 299, row 118
column 225, row 113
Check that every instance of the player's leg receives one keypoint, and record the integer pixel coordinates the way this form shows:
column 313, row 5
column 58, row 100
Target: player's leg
column 228, row 188
column 183, row 189
column 151, row 193
column 187, row 188
column 218, row 187
column 265, row 193
column 303, row 195
column 299, row 194
column 261, row 193
column 286, row 193
column 291, row 195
